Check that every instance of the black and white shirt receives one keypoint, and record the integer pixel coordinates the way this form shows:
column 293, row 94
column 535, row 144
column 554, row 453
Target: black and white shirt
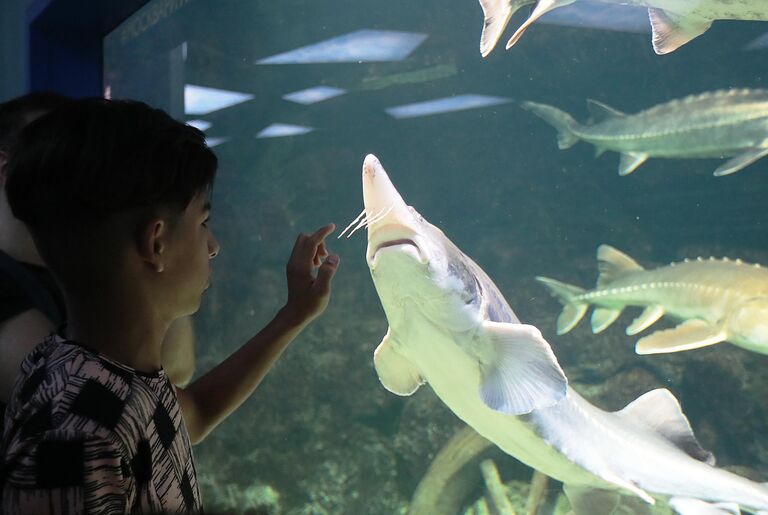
column 84, row 433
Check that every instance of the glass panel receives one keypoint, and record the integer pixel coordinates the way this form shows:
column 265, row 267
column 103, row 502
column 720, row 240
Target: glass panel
column 294, row 94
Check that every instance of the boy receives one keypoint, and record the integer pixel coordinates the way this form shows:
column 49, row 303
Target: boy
column 115, row 195
column 31, row 305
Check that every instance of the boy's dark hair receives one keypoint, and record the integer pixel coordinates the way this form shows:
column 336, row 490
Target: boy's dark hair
column 86, row 176
column 17, row 113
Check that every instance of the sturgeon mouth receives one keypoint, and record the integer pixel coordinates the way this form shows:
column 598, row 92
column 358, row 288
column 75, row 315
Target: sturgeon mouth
column 394, row 243
column 399, row 242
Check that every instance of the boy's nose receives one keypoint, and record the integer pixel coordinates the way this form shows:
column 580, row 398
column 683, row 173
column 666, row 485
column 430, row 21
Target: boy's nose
column 213, row 248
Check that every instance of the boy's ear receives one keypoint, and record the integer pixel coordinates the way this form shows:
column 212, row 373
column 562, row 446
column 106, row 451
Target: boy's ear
column 152, row 242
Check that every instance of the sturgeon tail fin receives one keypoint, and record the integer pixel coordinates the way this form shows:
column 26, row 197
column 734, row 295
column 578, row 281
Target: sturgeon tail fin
column 573, row 311
column 560, row 120
column 497, row 14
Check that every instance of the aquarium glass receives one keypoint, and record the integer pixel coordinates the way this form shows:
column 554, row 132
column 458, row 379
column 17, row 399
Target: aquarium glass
column 293, row 94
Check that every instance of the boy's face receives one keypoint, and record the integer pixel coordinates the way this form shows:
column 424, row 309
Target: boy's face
column 189, row 252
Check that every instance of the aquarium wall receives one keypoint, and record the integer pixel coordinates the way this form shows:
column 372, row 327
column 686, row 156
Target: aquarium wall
column 292, row 96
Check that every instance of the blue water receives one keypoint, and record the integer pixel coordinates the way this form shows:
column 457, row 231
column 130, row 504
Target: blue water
column 321, row 435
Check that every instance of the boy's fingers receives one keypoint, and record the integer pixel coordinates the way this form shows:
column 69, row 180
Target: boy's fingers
column 305, row 251
column 319, row 235
column 326, row 272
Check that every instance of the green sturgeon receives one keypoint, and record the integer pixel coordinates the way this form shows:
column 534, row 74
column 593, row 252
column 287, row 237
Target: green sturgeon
column 728, row 123
column 673, row 22
column 450, row 326
column 718, row 300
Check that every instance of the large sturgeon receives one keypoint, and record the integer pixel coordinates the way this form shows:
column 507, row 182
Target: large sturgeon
column 674, row 22
column 449, row 326
column 717, row 299
column 730, row 123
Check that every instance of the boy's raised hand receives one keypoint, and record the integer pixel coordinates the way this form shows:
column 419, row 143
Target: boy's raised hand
column 308, row 293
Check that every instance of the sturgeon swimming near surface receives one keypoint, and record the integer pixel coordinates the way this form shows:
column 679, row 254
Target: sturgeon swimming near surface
column 450, row 326
column 729, row 123
column 718, row 300
column 673, row 22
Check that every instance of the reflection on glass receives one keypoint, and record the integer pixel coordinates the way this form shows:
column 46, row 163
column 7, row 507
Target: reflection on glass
column 359, row 46
column 598, row 15
column 444, row 105
column 759, row 43
column 201, row 125
column 314, row 95
column 212, row 142
column 200, row 100
column 277, row 130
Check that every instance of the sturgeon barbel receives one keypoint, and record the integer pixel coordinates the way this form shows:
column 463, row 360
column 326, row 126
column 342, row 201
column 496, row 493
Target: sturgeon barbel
column 718, row 300
column 729, row 123
column 673, row 22
column 450, row 326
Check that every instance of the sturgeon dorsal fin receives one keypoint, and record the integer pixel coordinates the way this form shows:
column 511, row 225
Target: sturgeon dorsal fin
column 396, row 373
column 612, row 264
column 659, row 411
column 601, row 112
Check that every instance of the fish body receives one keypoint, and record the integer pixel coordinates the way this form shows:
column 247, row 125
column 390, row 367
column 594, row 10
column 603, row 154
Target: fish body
column 673, row 22
column 732, row 123
column 450, row 326
column 717, row 300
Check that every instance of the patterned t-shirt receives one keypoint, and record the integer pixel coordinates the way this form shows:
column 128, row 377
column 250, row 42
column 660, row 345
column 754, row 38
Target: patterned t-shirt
column 84, row 433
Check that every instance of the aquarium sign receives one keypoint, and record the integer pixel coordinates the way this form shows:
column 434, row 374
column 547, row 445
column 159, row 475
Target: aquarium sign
column 444, row 105
column 356, row 47
column 313, row 95
column 200, row 100
column 278, row 130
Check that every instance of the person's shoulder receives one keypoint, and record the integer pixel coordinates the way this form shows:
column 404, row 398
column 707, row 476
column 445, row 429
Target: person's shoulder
column 74, row 386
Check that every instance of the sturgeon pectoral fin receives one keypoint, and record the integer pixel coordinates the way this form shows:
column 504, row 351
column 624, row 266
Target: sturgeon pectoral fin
column 524, row 374
column 603, row 317
column 629, row 162
column 647, row 318
column 671, row 31
column 542, row 8
column 659, row 411
column 741, row 161
column 691, row 334
column 689, row 506
column 396, row 373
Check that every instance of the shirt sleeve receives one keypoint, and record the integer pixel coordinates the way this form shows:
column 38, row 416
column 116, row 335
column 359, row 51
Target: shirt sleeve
column 65, row 474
